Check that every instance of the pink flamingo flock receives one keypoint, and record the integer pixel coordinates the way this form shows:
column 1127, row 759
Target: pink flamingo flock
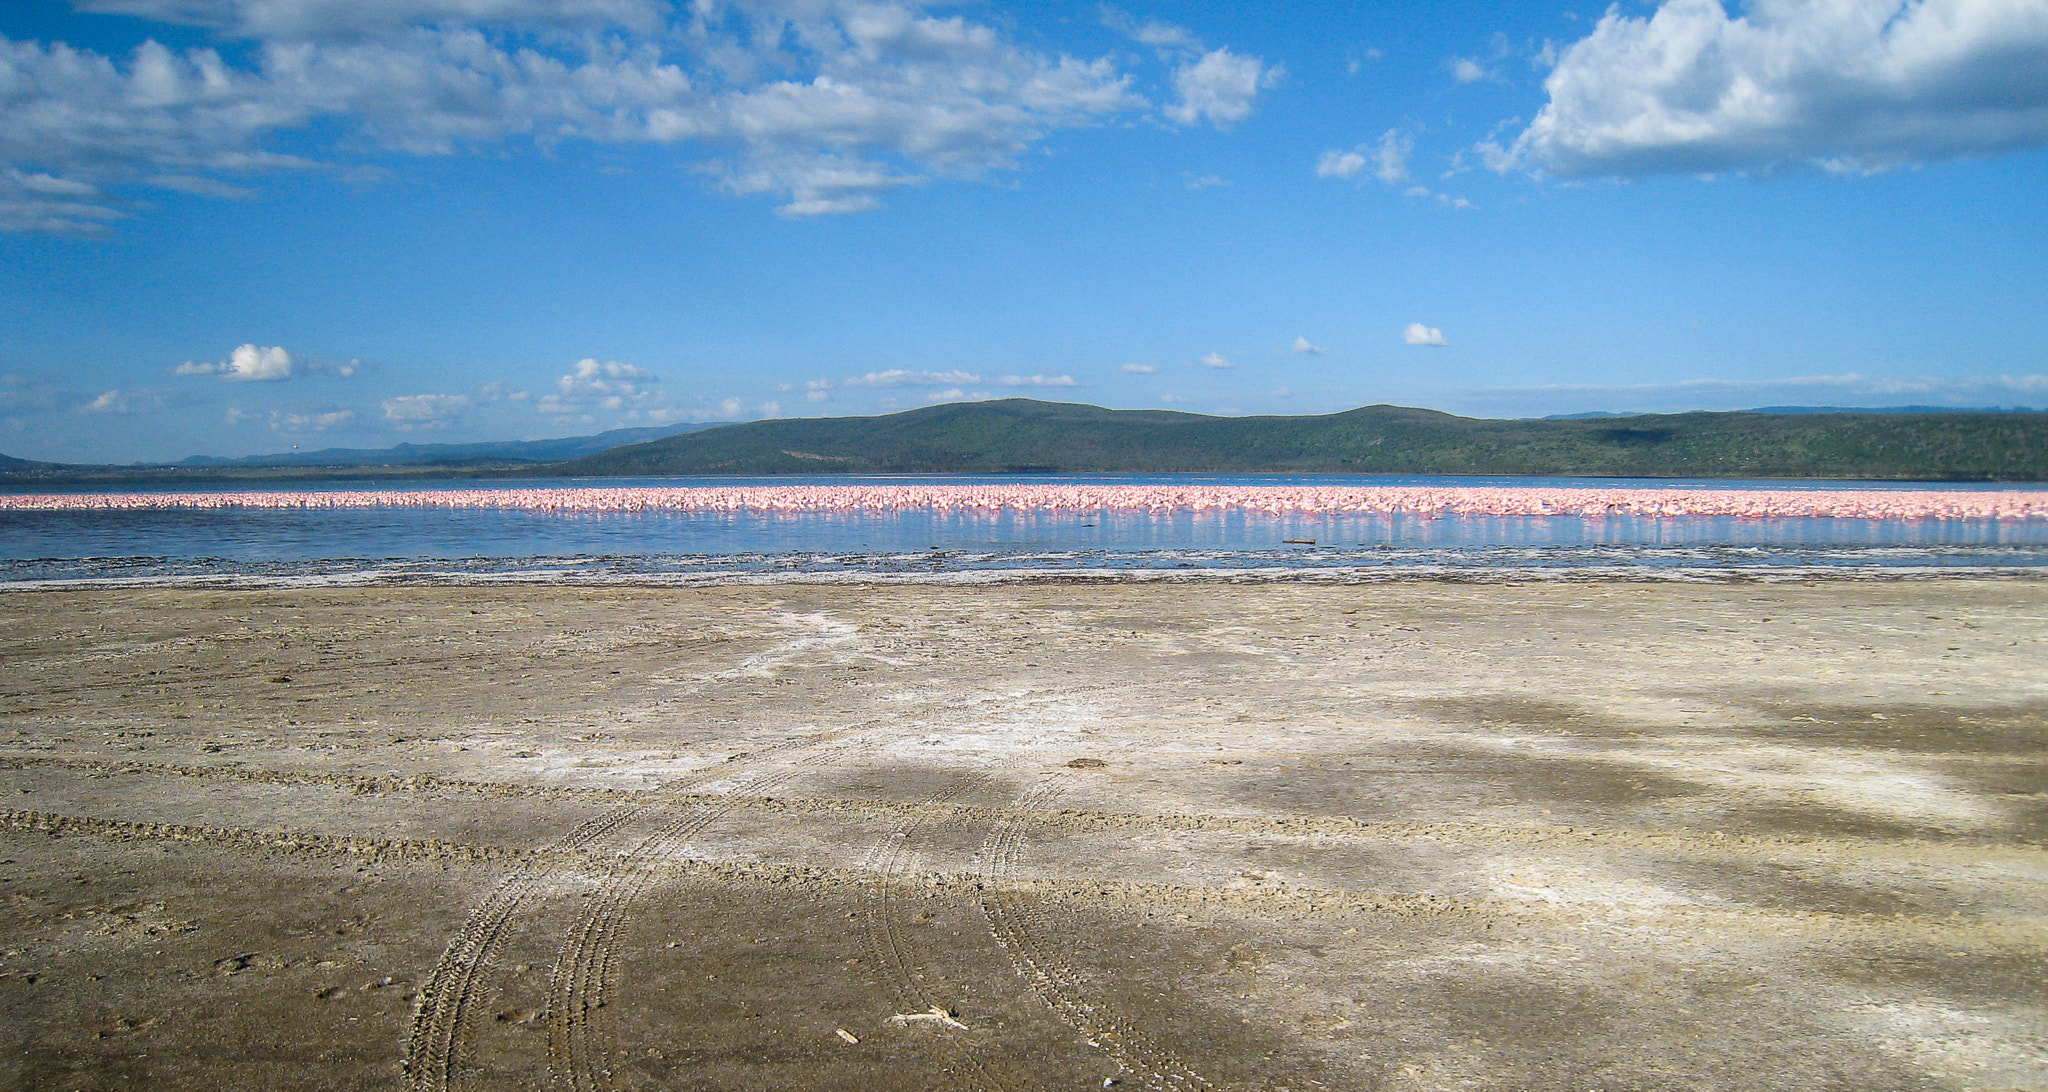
column 1024, row 498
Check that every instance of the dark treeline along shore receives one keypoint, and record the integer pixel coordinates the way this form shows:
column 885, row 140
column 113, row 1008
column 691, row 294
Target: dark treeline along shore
column 1022, row 436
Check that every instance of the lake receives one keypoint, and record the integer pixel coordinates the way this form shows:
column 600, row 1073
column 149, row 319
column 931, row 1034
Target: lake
column 954, row 529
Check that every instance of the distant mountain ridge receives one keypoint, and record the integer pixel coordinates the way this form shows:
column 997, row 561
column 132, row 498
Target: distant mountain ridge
column 1017, row 436
column 1025, row 436
column 533, row 451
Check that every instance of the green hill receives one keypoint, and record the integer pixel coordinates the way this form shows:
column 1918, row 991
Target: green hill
column 1024, row 436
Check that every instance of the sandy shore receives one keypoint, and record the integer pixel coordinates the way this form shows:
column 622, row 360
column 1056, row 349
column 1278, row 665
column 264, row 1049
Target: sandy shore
column 1602, row 836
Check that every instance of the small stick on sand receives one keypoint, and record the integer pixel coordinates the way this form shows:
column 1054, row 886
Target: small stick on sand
column 936, row 1015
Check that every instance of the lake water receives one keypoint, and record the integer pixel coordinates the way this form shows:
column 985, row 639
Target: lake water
column 397, row 535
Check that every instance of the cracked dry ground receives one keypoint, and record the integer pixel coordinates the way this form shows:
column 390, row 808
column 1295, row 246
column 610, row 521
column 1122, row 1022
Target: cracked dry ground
column 1590, row 836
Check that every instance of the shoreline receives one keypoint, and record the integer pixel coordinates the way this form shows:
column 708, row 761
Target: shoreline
column 1333, row 577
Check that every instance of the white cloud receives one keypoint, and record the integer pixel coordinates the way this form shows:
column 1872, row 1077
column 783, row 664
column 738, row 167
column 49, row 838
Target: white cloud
column 1172, row 399
column 1220, row 86
column 1418, row 334
column 1304, row 345
column 1389, row 162
column 1392, row 157
column 1152, row 32
column 424, row 410
column 817, row 396
column 1474, row 69
column 590, row 378
column 1216, row 360
column 1846, row 84
column 1137, row 369
column 1336, row 164
column 1283, row 392
column 1205, row 182
column 32, row 201
column 314, row 19
column 1034, row 381
column 592, row 386
column 123, row 402
column 900, row 377
column 247, row 364
column 1216, row 84
column 319, row 420
column 827, row 104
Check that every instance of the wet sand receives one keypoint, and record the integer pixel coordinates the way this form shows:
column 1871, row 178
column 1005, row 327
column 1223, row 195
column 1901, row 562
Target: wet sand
column 1418, row 835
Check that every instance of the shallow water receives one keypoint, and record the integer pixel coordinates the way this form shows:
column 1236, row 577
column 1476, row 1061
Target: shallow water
column 388, row 538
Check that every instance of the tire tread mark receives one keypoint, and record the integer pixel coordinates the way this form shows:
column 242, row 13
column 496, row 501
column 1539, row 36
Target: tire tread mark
column 883, row 939
column 1018, row 921
column 585, row 977
column 451, row 1000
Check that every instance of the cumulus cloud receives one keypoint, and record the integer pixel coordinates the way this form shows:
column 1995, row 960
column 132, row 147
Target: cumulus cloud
column 1388, row 160
column 1216, row 360
column 826, row 104
column 607, row 386
column 302, row 421
column 320, row 19
column 900, row 377
column 947, row 383
column 1215, row 84
column 1418, row 334
column 123, row 402
column 410, row 411
column 1137, row 369
column 1304, row 345
column 1221, row 86
column 1391, row 158
column 247, row 364
column 1474, row 69
column 1859, row 85
column 1335, row 164
column 590, row 378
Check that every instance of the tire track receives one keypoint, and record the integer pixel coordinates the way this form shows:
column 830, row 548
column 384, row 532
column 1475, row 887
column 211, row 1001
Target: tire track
column 458, row 988
column 1018, row 922
column 1984, row 932
column 883, row 939
column 584, row 981
column 1084, row 821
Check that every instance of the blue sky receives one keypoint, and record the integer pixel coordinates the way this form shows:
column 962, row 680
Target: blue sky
column 239, row 226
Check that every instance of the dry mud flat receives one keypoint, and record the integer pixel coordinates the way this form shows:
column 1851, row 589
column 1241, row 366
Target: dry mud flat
column 1600, row 836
